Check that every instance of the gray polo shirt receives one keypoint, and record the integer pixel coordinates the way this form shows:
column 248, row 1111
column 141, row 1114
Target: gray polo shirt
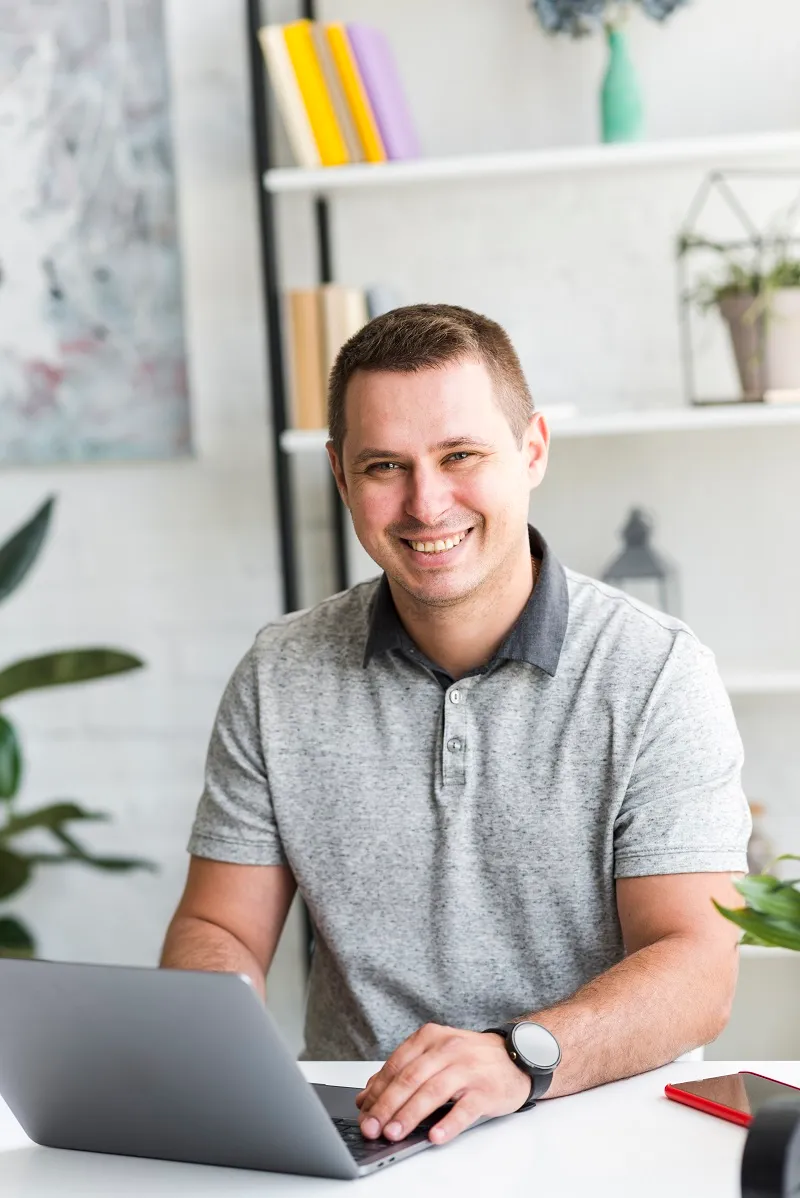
column 457, row 842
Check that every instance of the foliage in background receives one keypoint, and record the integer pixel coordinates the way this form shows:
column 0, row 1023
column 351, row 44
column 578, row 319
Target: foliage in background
column 581, row 17
column 771, row 915
column 17, row 866
column 758, row 269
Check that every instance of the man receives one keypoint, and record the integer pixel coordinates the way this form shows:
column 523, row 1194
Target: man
column 505, row 791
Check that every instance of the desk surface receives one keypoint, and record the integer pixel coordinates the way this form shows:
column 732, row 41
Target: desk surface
column 604, row 1142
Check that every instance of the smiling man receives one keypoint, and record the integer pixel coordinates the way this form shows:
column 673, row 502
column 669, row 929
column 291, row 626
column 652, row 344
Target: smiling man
column 507, row 792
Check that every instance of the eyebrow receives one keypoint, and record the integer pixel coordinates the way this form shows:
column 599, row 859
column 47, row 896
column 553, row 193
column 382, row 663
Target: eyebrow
column 367, row 455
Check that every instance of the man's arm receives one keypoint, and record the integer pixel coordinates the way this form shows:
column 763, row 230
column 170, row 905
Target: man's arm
column 229, row 918
column 672, row 992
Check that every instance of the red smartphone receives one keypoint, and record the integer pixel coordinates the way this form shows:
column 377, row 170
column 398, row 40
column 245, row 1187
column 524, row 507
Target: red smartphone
column 734, row 1096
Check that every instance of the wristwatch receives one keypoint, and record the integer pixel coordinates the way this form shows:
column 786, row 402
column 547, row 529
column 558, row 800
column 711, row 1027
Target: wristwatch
column 534, row 1050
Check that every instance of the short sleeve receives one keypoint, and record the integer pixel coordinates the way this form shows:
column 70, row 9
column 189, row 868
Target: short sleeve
column 235, row 821
column 684, row 809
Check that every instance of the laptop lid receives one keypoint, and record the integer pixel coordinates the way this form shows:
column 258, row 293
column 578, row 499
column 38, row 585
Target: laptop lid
column 173, row 1064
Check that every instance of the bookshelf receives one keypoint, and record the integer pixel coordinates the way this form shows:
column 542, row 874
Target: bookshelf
column 317, row 185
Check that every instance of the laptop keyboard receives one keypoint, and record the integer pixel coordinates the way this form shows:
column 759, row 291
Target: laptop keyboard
column 363, row 1150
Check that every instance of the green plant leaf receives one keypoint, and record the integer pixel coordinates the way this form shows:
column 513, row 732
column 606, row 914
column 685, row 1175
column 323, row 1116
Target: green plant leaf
column 15, row 939
column 47, row 817
column 60, row 669
column 117, row 865
column 15, row 872
column 19, row 553
column 10, row 760
column 781, row 903
column 778, row 933
column 757, row 884
column 111, row 864
column 768, row 895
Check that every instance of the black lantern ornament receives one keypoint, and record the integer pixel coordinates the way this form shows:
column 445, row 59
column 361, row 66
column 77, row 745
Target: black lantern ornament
column 640, row 571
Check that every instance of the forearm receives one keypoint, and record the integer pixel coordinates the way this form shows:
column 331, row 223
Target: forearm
column 661, row 1001
column 193, row 943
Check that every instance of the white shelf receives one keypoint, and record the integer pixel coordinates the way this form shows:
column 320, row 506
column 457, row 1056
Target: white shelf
column 680, row 419
column 606, row 424
column 774, row 682
column 722, row 151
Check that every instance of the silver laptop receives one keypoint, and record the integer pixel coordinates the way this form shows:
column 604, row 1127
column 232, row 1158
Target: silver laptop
column 171, row 1064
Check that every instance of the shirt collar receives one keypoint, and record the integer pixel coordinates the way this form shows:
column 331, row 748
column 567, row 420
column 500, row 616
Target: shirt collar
column 536, row 638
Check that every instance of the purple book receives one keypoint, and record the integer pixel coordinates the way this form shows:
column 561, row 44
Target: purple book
column 378, row 70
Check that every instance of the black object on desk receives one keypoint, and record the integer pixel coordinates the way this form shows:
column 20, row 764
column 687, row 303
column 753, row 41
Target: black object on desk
column 771, row 1160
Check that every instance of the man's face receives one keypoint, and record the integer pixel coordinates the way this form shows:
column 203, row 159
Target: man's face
column 430, row 462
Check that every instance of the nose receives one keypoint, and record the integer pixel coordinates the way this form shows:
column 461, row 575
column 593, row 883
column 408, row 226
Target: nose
column 429, row 496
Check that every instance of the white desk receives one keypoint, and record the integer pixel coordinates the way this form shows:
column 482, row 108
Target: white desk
column 620, row 1140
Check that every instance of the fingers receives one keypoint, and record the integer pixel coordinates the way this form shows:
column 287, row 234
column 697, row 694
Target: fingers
column 412, row 1082
column 403, row 1055
column 458, row 1119
column 429, row 1069
column 425, row 1099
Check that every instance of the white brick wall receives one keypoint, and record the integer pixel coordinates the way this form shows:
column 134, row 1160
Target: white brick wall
column 176, row 562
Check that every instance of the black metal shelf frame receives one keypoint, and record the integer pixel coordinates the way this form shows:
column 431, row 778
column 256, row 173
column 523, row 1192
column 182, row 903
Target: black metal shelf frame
column 273, row 305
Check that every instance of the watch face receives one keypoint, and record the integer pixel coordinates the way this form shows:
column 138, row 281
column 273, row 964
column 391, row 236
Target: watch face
column 537, row 1045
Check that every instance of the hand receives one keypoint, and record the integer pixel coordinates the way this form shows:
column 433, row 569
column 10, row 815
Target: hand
column 433, row 1066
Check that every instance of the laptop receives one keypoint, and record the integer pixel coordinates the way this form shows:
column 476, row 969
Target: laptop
column 172, row 1064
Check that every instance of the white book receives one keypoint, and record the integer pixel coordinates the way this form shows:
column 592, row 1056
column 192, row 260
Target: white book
column 289, row 97
column 344, row 311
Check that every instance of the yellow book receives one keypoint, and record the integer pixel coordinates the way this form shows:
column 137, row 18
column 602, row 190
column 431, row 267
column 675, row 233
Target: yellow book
column 327, row 134
column 356, row 93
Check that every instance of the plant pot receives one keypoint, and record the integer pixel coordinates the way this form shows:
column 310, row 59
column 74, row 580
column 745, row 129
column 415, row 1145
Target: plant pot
column 765, row 333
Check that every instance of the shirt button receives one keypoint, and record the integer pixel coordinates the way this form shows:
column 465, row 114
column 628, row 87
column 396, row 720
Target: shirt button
column 455, row 696
column 455, row 744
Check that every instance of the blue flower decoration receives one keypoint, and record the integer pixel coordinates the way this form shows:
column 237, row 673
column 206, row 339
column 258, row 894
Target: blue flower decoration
column 579, row 17
column 576, row 17
column 659, row 10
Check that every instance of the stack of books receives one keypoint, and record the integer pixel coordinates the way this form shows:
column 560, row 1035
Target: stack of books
column 339, row 93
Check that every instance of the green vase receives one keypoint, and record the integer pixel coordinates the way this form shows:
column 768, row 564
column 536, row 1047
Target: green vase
column 620, row 99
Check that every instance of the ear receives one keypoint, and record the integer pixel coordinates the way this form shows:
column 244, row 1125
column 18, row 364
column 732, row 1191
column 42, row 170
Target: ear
column 338, row 472
column 535, row 447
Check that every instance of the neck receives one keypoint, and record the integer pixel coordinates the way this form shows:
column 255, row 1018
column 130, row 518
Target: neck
column 465, row 635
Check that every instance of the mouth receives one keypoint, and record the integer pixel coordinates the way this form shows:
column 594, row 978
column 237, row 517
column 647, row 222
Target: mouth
column 434, row 552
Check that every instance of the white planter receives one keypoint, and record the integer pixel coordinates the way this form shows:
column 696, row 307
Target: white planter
column 766, row 344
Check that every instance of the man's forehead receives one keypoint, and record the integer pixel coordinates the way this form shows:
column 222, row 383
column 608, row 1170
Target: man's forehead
column 439, row 377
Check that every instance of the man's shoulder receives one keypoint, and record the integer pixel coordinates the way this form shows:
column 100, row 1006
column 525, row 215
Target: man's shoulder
column 334, row 628
column 603, row 614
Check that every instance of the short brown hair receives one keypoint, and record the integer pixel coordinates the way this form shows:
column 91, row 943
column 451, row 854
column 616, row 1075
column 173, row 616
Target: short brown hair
column 424, row 337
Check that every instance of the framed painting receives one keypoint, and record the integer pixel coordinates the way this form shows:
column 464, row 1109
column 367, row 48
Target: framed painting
column 92, row 356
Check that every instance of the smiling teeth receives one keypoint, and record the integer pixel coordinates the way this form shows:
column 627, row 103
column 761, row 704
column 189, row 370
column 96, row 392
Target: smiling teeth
column 437, row 546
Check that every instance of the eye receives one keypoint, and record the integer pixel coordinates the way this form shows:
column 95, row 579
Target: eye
column 461, row 455
column 382, row 468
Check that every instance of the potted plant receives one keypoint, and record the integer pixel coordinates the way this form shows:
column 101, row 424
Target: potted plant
column 762, row 312
column 620, row 98
column 757, row 294
column 17, row 863
column 771, row 914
